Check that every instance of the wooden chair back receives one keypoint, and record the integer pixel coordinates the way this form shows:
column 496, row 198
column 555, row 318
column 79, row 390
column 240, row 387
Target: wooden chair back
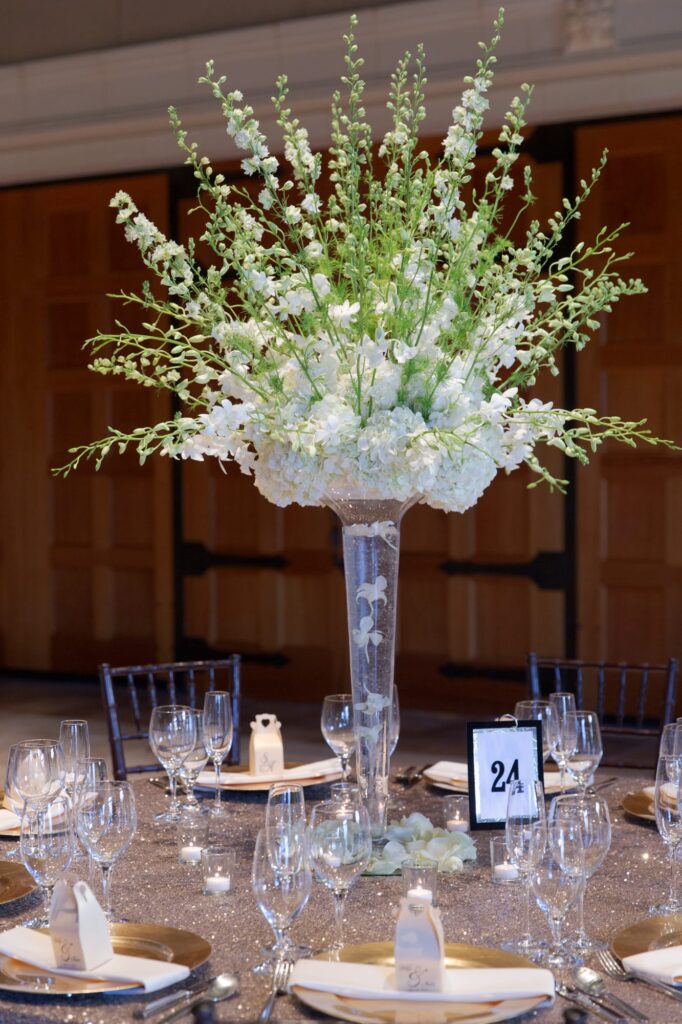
column 129, row 693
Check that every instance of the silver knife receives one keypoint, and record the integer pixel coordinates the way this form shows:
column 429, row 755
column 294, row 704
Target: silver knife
column 574, row 995
column 174, row 998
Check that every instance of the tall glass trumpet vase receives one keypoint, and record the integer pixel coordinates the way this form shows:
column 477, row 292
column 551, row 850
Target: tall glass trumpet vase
column 371, row 550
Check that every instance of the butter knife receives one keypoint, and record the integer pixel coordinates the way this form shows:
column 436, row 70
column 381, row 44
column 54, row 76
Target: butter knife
column 170, row 1000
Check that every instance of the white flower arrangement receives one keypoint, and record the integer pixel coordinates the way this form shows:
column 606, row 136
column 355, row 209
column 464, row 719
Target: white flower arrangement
column 382, row 340
column 416, row 838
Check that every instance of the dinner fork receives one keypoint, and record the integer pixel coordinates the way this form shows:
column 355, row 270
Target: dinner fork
column 615, row 969
column 280, row 980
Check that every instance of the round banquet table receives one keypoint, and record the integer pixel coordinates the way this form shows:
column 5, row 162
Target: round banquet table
column 149, row 885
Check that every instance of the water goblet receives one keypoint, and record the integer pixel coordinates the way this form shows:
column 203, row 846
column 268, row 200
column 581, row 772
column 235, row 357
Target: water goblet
column 544, row 712
column 46, row 846
column 281, row 895
column 526, row 837
column 74, row 737
column 218, row 728
column 172, row 737
column 591, row 812
column 584, row 747
column 340, row 849
column 556, row 882
column 193, row 765
column 336, row 723
column 107, row 822
column 37, row 770
column 669, row 823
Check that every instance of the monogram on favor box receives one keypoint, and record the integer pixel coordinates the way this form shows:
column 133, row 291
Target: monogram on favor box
column 266, row 751
column 78, row 927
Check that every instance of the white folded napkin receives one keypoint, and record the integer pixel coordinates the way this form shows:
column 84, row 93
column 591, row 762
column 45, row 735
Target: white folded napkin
column 660, row 964
column 455, row 774
column 35, row 948
column 316, row 769
column 8, row 820
column 668, row 791
column 462, row 984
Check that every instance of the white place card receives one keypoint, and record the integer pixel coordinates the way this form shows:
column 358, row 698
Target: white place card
column 498, row 753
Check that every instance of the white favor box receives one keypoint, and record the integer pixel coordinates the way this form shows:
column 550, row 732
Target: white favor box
column 78, row 927
column 266, row 750
column 419, row 945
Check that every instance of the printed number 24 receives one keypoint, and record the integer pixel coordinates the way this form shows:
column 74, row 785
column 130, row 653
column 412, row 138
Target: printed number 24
column 498, row 769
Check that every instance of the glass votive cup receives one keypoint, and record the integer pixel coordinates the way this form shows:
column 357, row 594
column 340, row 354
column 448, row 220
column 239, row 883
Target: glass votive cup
column 502, row 871
column 456, row 813
column 420, row 875
column 344, row 793
column 217, row 863
column 192, row 836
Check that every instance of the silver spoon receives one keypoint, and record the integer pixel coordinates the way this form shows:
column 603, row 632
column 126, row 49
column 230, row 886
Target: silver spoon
column 222, row 987
column 592, row 984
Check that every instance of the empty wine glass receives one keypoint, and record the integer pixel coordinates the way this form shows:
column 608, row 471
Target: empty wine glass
column 394, row 723
column 591, row 812
column 556, row 882
column 542, row 711
column 286, row 806
column 12, row 801
column 47, row 846
column 107, row 821
column 344, row 793
column 281, row 895
column 671, row 739
column 90, row 771
column 525, row 838
column 340, row 849
column 584, row 746
column 74, row 737
column 337, row 728
column 218, row 727
column 563, row 703
column 193, row 765
column 172, row 736
column 669, row 824
column 37, row 770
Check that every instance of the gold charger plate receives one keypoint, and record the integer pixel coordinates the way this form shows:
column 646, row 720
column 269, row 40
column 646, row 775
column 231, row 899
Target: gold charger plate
column 153, row 941
column 651, row 933
column 263, row 787
column 395, row 1011
column 639, row 805
column 15, row 881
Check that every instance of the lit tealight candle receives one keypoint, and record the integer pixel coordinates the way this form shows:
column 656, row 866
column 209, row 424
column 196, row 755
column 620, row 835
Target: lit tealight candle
column 505, row 872
column 190, row 854
column 218, row 883
column 419, row 893
column 457, row 825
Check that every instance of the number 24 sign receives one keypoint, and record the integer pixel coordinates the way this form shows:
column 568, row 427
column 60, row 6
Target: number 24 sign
column 498, row 754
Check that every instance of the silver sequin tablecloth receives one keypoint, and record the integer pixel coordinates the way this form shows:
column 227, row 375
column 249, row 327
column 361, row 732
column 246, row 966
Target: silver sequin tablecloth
column 149, row 885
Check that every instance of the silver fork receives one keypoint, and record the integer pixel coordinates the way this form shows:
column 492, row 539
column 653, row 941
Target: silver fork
column 280, row 980
column 614, row 968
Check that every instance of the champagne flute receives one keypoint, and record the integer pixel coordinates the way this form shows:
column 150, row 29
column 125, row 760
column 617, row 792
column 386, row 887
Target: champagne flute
column 47, row 846
column 340, row 849
column 591, row 812
column 544, row 712
column 281, row 894
column 336, row 723
column 74, row 737
column 37, row 770
column 669, row 823
column 556, row 883
column 394, row 723
column 564, row 703
column 218, row 727
column 525, row 838
column 584, row 748
column 107, row 822
column 172, row 735
column 194, row 763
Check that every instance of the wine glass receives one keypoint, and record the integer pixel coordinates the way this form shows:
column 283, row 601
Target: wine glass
column 564, row 704
column 286, row 806
column 344, row 793
column 47, row 846
column 584, row 746
column 194, row 763
column 669, row 822
column 591, row 812
column 12, row 801
column 217, row 725
column 74, row 737
column 281, row 895
column 90, row 771
column 394, row 723
column 107, row 822
column 544, row 712
column 337, row 728
column 340, row 849
column 37, row 770
column 525, row 838
column 671, row 739
column 172, row 736
column 556, row 883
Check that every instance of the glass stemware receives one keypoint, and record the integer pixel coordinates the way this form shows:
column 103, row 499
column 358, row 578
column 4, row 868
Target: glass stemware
column 47, row 846
column 669, row 823
column 281, row 891
column 563, row 703
column 340, row 849
column 193, row 765
column 542, row 711
column 336, row 723
column 671, row 739
column 74, row 737
column 584, row 746
column 591, row 813
column 556, row 883
column 107, row 822
column 37, row 770
column 394, row 723
column 526, row 836
column 286, row 806
column 90, row 771
column 12, row 801
column 218, row 727
column 172, row 736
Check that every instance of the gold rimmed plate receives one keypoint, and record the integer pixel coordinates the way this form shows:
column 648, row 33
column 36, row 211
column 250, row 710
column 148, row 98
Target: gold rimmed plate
column 552, row 784
column 651, row 933
column 263, row 787
column 15, row 882
column 639, row 805
column 392, row 1011
column 152, row 941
